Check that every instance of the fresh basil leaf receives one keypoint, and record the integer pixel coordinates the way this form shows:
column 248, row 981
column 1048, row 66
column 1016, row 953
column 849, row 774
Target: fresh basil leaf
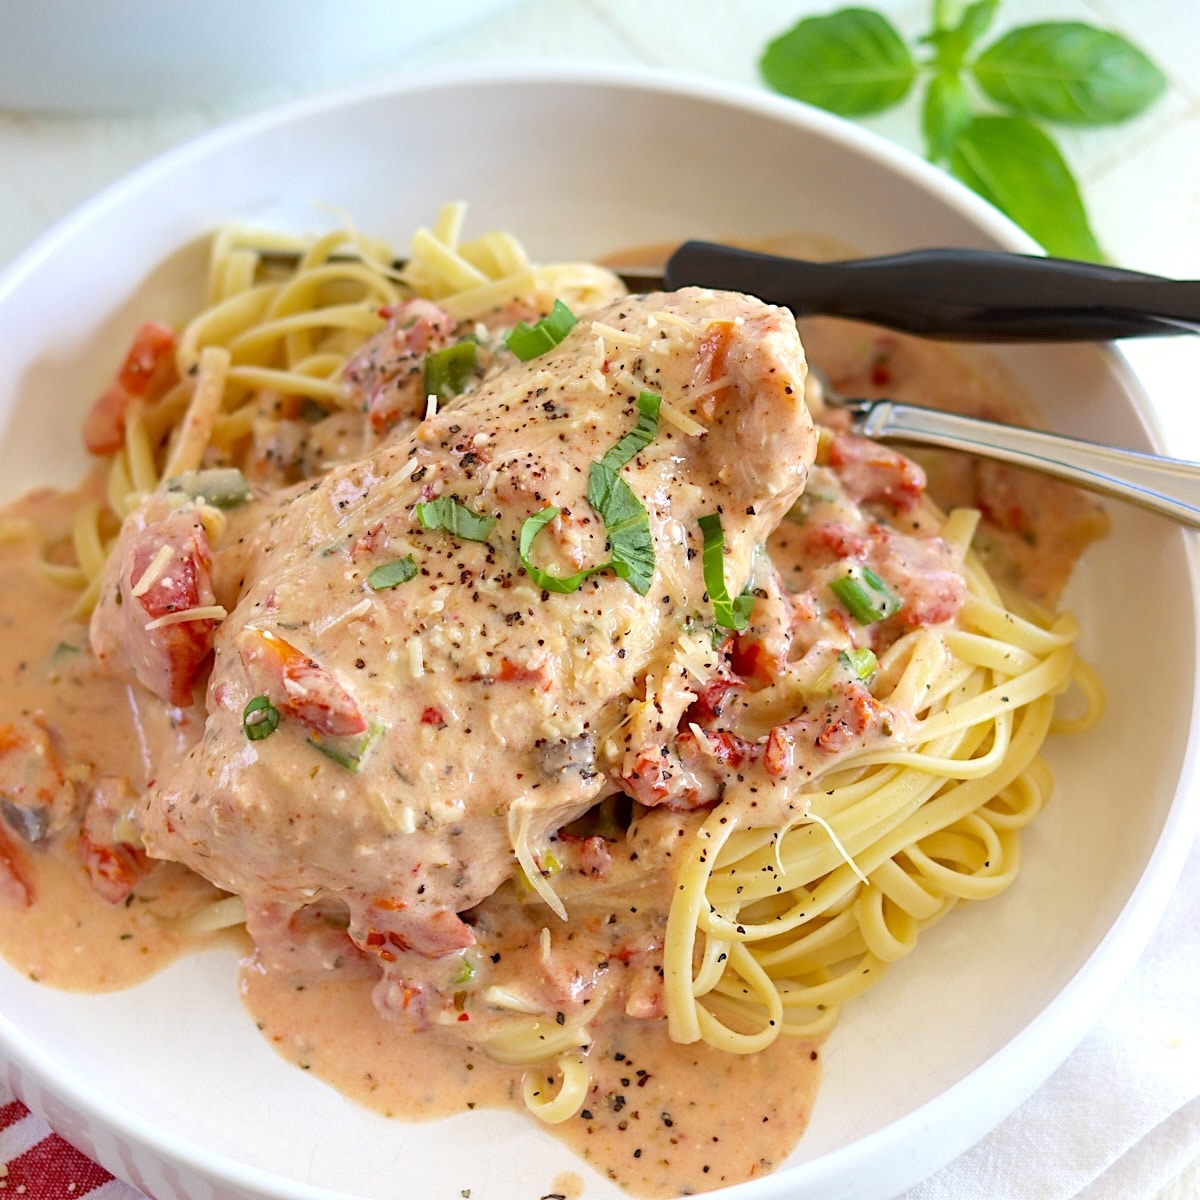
column 448, row 370
column 731, row 612
column 547, row 580
column 945, row 113
column 392, row 574
column 851, row 62
column 447, row 513
column 1013, row 164
column 951, row 43
column 640, row 436
column 528, row 341
column 627, row 525
column 1070, row 72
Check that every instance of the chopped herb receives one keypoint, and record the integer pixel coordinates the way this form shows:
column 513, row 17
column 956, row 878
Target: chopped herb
column 260, row 718
column 547, row 580
column 392, row 574
column 638, row 438
column 627, row 525
column 861, row 661
column 220, row 487
column 448, row 514
column 867, row 598
column 626, row 521
column 348, row 751
column 731, row 613
column 447, row 371
column 528, row 341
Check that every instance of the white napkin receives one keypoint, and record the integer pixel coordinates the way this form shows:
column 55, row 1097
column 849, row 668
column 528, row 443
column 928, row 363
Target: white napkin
column 1120, row 1119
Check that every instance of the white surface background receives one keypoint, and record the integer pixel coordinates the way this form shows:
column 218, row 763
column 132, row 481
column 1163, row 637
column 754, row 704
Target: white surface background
column 1141, row 182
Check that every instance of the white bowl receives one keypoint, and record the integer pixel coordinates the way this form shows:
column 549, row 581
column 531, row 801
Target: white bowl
column 168, row 1084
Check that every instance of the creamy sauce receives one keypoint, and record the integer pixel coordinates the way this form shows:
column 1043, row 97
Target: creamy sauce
column 69, row 937
column 660, row 1119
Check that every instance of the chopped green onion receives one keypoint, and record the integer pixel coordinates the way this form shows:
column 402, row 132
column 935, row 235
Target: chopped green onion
column 861, row 661
column 220, row 487
column 528, row 341
column 866, row 597
column 448, row 370
column 348, row 751
column 731, row 612
column 448, row 514
column 638, row 438
column 392, row 574
column 465, row 972
column 260, row 718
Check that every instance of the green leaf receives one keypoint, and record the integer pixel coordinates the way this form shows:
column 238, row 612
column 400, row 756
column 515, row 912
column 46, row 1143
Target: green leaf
column 952, row 42
column 639, row 437
column 626, row 521
column 448, row 370
column 547, row 580
column 1070, row 72
column 392, row 574
column 528, row 341
column 945, row 113
column 851, row 62
column 1018, row 168
column 627, row 525
column 455, row 518
column 730, row 612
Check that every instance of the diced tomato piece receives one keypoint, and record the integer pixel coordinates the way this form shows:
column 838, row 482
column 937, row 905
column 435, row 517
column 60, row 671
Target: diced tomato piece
column 300, row 686
column 147, row 371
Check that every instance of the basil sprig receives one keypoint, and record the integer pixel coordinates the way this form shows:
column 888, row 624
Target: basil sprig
column 626, row 521
column 853, row 62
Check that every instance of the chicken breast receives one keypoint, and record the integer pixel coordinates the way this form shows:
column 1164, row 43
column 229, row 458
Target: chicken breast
column 405, row 698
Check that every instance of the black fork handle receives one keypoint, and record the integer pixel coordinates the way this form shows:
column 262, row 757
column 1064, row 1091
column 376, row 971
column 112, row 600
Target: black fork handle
column 955, row 294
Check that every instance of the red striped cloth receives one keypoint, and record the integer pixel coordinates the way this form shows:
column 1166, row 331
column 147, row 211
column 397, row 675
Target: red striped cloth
column 37, row 1164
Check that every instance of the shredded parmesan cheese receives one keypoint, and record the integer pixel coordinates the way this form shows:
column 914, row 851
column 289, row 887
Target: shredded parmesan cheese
column 153, row 573
column 203, row 612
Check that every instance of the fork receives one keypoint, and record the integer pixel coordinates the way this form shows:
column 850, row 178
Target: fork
column 1168, row 486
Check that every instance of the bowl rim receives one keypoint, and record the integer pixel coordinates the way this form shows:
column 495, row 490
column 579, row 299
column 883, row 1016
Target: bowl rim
column 1055, row 1031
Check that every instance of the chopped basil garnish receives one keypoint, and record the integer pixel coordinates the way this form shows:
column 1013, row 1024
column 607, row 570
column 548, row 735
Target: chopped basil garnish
column 627, row 525
column 455, row 518
column 626, row 522
column 638, row 438
column 447, row 371
column 731, row 612
column 528, row 341
column 546, row 580
column 392, row 574
column 260, row 718
column 866, row 597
